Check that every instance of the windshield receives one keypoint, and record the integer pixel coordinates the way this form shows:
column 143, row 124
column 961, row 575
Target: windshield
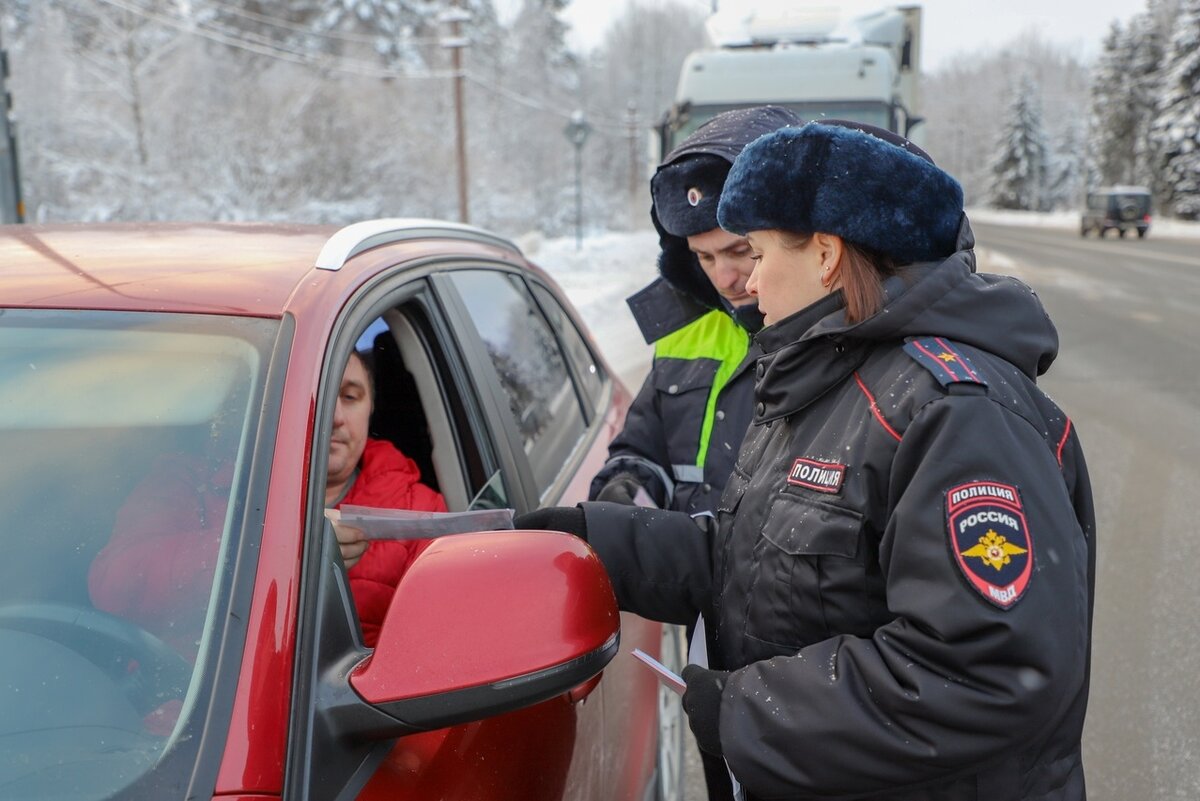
column 872, row 113
column 125, row 439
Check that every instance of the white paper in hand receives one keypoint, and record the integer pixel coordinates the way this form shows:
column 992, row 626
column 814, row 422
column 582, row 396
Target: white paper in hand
column 670, row 679
column 408, row 524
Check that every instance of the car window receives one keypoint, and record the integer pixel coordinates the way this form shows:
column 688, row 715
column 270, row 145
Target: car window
column 530, row 366
column 582, row 359
column 127, row 438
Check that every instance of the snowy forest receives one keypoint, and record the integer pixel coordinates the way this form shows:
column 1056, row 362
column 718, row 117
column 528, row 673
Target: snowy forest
column 339, row 110
column 1034, row 127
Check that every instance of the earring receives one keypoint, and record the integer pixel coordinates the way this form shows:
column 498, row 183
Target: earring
column 826, row 277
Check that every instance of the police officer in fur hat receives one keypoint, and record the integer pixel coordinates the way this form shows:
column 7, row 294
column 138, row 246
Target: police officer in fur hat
column 902, row 569
column 685, row 426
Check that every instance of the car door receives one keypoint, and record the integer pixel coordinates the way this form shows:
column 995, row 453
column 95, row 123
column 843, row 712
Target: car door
column 476, row 457
column 558, row 396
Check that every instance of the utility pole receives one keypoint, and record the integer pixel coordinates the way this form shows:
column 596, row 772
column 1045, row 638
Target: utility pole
column 12, row 207
column 455, row 43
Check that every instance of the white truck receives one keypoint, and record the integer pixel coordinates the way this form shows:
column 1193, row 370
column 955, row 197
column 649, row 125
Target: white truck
column 820, row 62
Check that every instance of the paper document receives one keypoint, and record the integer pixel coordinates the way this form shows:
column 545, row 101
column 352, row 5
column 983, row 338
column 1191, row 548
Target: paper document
column 405, row 524
column 670, row 679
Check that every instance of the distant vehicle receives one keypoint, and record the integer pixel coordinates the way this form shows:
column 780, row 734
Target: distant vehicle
column 1118, row 208
column 814, row 61
column 217, row 350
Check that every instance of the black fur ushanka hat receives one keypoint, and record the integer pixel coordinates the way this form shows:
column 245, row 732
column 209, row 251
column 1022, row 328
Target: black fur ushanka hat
column 836, row 179
column 687, row 185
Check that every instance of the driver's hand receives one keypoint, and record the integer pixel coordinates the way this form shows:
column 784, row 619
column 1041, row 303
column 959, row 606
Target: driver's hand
column 352, row 543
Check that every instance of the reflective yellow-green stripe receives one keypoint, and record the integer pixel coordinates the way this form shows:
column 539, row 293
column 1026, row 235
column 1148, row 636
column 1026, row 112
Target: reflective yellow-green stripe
column 713, row 336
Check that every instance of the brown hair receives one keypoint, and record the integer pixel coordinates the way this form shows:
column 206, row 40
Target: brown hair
column 860, row 276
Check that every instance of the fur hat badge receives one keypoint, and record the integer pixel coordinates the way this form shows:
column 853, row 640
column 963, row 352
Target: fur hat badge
column 841, row 180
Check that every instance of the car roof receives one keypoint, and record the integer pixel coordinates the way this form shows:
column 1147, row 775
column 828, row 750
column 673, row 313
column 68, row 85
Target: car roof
column 248, row 269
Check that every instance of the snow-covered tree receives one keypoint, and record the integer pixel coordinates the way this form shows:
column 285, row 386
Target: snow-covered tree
column 1065, row 167
column 1176, row 128
column 966, row 102
column 630, row 82
column 1019, row 166
column 1112, row 139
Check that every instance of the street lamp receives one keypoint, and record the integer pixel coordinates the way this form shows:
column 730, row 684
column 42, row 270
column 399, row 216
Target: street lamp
column 577, row 130
column 455, row 43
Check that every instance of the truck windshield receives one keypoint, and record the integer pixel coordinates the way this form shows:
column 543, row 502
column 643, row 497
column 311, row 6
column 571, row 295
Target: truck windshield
column 126, row 440
column 877, row 114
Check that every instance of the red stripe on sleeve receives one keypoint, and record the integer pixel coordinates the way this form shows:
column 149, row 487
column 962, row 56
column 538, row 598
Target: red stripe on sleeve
column 1063, row 442
column 875, row 407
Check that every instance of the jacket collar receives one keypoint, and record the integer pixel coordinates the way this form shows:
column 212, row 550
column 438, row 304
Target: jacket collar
column 796, row 370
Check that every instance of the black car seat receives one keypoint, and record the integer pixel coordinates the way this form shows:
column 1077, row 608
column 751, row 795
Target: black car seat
column 398, row 415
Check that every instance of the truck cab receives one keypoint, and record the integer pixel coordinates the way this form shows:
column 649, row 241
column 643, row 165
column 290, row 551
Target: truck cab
column 812, row 62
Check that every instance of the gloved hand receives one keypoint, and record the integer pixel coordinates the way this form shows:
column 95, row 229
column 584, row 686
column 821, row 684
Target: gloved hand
column 555, row 518
column 702, row 703
column 620, row 489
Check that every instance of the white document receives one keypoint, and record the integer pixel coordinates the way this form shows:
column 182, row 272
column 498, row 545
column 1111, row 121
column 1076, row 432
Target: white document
column 406, row 524
column 698, row 649
column 698, row 655
column 669, row 678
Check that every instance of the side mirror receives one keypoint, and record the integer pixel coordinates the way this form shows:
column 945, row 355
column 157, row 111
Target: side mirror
column 483, row 624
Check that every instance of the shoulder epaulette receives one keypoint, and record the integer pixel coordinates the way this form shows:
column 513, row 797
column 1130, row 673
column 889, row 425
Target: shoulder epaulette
column 945, row 360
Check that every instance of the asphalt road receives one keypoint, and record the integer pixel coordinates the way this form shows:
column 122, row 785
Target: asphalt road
column 1128, row 373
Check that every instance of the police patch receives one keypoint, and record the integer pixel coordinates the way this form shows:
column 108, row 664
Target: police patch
column 820, row 476
column 990, row 539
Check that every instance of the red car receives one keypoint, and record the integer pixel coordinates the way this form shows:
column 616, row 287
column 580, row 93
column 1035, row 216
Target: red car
column 501, row 670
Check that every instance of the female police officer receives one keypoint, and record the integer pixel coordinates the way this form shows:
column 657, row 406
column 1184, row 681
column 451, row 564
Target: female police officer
column 902, row 566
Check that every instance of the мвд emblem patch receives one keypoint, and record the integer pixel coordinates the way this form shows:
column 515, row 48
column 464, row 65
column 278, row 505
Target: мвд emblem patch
column 991, row 539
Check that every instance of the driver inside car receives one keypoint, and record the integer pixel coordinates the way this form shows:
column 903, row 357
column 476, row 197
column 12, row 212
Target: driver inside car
column 157, row 569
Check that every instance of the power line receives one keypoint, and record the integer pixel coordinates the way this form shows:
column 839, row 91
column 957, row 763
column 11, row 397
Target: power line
column 259, row 45
column 267, row 47
column 364, row 38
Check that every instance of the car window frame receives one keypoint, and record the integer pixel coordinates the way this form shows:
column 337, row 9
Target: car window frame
column 593, row 406
column 325, row 609
column 483, row 368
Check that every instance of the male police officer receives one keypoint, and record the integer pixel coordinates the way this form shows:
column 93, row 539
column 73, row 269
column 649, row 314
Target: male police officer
column 683, row 431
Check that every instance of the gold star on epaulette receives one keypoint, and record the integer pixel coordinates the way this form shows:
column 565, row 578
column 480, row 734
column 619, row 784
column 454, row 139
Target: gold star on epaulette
column 947, row 357
column 994, row 550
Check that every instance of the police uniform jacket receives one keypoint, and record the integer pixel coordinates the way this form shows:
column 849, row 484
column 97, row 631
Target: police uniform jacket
column 901, row 570
column 683, row 431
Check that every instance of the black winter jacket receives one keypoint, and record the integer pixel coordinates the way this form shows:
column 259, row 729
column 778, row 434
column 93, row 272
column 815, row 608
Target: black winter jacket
column 902, row 568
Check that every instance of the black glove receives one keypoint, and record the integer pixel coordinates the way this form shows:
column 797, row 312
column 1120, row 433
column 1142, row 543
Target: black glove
column 554, row 518
column 620, row 489
column 702, row 703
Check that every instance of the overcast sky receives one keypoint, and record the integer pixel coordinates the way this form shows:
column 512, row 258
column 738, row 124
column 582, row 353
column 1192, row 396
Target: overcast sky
column 952, row 28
